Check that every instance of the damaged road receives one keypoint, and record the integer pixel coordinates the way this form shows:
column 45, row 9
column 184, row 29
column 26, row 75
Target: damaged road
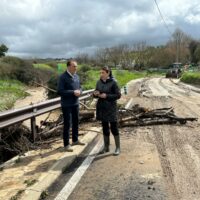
column 157, row 162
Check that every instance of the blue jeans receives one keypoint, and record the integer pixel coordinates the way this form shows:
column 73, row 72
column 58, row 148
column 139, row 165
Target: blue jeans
column 71, row 117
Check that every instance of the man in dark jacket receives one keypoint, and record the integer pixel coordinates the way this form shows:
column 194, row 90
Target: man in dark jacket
column 69, row 89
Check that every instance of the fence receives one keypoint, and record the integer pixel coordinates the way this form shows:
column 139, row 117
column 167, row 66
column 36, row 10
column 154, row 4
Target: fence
column 11, row 117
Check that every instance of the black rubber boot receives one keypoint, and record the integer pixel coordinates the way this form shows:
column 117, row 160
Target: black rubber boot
column 117, row 143
column 106, row 144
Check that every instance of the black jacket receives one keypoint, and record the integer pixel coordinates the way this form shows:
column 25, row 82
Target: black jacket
column 66, row 86
column 106, row 109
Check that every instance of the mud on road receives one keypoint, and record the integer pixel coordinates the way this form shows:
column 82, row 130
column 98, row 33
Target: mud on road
column 160, row 162
column 178, row 146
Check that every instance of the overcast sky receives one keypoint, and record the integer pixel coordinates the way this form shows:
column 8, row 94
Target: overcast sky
column 63, row 28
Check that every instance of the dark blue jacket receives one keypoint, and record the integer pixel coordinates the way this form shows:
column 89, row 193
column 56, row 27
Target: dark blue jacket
column 66, row 86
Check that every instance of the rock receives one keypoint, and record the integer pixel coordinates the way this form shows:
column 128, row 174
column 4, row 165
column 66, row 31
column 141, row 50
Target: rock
column 151, row 182
column 164, row 154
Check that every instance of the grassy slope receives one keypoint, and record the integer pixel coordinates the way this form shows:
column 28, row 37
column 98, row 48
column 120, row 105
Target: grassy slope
column 10, row 91
column 122, row 77
column 191, row 77
column 43, row 66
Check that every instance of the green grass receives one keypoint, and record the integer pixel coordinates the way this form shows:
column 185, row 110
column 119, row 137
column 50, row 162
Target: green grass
column 191, row 77
column 10, row 91
column 122, row 77
column 93, row 76
column 61, row 67
column 43, row 66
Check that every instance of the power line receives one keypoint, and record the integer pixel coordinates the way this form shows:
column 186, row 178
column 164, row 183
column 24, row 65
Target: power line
column 162, row 17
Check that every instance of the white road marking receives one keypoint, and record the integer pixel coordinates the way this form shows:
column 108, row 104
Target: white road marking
column 71, row 184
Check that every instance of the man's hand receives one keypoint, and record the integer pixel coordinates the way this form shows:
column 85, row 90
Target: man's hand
column 103, row 95
column 77, row 93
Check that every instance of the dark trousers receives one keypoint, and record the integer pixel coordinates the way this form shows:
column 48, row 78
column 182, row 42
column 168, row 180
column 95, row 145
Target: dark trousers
column 107, row 126
column 70, row 116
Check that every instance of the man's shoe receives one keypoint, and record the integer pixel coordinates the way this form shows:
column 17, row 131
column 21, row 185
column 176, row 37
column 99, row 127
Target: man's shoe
column 68, row 148
column 78, row 143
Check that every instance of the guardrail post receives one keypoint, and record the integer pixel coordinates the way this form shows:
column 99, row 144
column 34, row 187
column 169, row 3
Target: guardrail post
column 84, row 104
column 125, row 90
column 33, row 128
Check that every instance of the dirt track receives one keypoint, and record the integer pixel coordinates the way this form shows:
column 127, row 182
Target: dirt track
column 178, row 145
column 36, row 95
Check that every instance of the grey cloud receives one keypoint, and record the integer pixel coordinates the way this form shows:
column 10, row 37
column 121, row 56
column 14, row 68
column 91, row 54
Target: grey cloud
column 60, row 28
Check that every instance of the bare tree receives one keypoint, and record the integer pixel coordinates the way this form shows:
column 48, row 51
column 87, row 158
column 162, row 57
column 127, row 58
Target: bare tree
column 193, row 48
column 101, row 56
column 83, row 58
column 138, row 52
column 197, row 54
column 180, row 43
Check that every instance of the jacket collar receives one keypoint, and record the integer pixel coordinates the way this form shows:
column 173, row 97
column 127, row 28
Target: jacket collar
column 107, row 80
column 70, row 74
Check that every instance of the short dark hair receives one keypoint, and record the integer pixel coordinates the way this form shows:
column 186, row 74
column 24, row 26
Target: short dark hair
column 107, row 70
column 70, row 61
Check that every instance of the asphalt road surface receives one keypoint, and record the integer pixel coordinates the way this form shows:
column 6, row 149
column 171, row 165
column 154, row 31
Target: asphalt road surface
column 159, row 162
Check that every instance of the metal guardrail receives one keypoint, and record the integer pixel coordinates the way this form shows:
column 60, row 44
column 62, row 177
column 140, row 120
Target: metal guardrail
column 14, row 116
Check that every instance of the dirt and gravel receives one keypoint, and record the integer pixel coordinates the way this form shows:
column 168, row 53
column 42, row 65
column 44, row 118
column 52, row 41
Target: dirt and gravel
column 178, row 146
column 36, row 95
column 160, row 162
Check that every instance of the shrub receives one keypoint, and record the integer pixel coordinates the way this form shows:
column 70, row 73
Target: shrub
column 10, row 91
column 85, row 68
column 19, row 69
column 14, row 61
column 42, row 76
column 52, row 84
column 22, row 70
column 52, row 64
column 191, row 77
column 5, row 70
column 83, row 73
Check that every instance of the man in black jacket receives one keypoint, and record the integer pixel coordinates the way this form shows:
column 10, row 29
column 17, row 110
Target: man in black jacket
column 69, row 89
